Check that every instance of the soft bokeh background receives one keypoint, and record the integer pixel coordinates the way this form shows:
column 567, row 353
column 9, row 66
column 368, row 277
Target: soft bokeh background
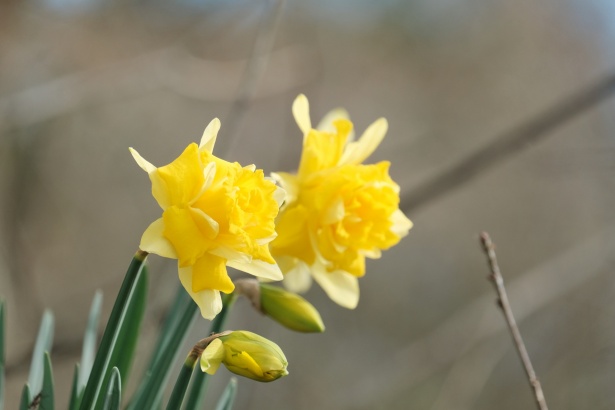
column 82, row 80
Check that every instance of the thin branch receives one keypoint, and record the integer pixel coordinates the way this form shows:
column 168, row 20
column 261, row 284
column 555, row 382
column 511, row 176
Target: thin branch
column 498, row 282
column 257, row 65
column 508, row 144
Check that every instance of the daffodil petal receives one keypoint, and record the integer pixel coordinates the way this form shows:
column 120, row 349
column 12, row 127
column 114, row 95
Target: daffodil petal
column 212, row 356
column 356, row 152
column 301, row 112
column 289, row 184
column 208, row 300
column 153, row 241
column 297, row 279
column 334, row 213
column 142, row 162
column 209, row 272
column 340, row 286
column 231, row 255
column 279, row 195
column 401, row 223
column 373, row 253
column 259, row 268
column 208, row 140
column 326, row 124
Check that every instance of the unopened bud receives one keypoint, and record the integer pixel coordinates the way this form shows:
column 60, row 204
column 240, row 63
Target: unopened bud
column 246, row 354
column 290, row 309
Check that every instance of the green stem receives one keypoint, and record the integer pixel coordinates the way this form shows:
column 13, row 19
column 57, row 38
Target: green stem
column 103, row 356
column 200, row 378
column 183, row 379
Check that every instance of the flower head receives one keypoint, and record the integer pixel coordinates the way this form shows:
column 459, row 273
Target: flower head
column 338, row 211
column 246, row 354
column 215, row 214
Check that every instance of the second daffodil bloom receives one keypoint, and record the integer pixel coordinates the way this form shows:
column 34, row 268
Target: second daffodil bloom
column 338, row 211
column 215, row 214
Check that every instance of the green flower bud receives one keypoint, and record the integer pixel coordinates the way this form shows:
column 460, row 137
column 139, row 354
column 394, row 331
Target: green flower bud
column 246, row 354
column 290, row 309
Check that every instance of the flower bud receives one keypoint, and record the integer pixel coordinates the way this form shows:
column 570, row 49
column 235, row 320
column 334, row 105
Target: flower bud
column 290, row 310
column 246, row 354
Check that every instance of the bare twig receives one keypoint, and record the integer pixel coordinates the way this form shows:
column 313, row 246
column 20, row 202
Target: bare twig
column 498, row 282
column 509, row 143
column 257, row 64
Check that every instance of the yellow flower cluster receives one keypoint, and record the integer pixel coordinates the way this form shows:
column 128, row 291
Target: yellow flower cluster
column 338, row 211
column 215, row 214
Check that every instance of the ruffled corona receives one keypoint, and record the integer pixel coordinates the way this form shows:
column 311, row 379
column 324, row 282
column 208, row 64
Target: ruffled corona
column 338, row 211
column 215, row 214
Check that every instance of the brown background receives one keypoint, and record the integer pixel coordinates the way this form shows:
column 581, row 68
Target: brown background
column 79, row 84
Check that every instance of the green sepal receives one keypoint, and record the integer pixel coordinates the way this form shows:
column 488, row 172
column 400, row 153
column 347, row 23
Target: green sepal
column 113, row 398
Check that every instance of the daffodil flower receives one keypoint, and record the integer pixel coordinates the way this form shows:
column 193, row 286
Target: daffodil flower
column 215, row 214
column 338, row 211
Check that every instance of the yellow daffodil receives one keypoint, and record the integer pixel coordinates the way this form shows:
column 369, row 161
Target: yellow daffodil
column 338, row 211
column 215, row 214
column 246, row 354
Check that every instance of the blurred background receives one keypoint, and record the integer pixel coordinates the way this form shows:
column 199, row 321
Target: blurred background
column 500, row 120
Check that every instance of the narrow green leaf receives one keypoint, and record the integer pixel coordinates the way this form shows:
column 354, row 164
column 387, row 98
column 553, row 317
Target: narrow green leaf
column 2, row 355
column 114, row 392
column 124, row 349
column 196, row 396
column 181, row 385
column 168, row 346
column 173, row 317
column 24, row 404
column 90, row 338
column 116, row 320
column 44, row 340
column 75, row 391
column 47, row 392
column 228, row 395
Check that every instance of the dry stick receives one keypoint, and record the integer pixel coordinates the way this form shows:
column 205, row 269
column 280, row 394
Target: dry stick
column 498, row 282
column 257, row 65
column 508, row 143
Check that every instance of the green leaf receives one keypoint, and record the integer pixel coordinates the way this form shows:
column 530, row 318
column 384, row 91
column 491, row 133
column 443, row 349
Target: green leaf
column 166, row 333
column 2, row 355
column 112, row 331
column 90, row 338
column 47, row 393
column 168, row 346
column 228, row 396
column 24, row 404
column 114, row 392
column 43, row 344
column 124, row 349
column 75, row 391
